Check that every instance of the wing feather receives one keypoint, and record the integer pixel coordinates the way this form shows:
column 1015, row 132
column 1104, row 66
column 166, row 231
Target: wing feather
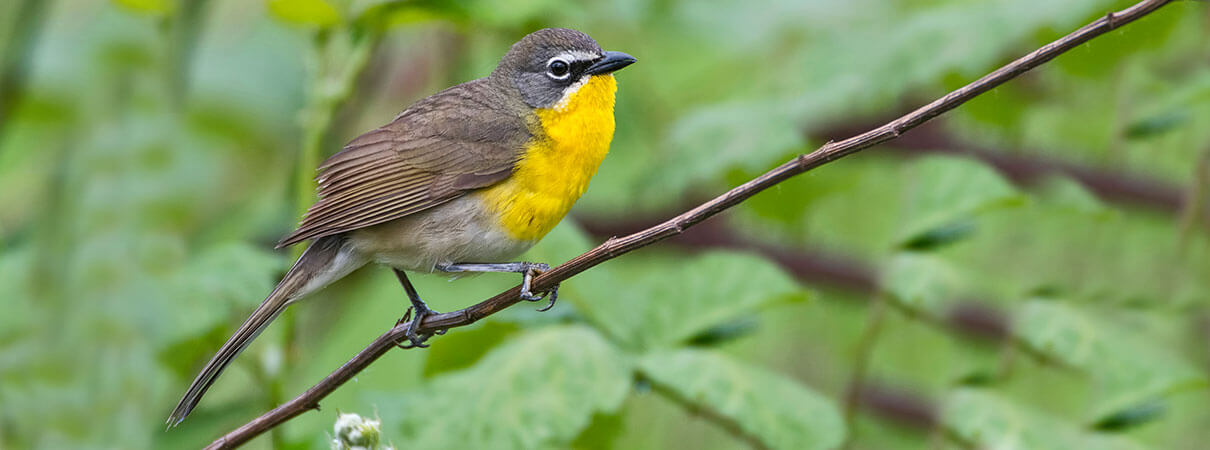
column 464, row 138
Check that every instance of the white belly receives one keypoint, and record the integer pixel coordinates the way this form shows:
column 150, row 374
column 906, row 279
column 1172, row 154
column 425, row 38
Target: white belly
column 460, row 231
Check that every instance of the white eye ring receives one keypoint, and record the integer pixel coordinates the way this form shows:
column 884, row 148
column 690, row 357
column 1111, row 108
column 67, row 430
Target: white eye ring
column 551, row 68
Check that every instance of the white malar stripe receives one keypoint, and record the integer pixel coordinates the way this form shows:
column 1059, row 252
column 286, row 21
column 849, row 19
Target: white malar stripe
column 569, row 91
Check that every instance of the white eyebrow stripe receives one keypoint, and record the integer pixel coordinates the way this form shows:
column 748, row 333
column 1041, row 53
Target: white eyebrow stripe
column 575, row 55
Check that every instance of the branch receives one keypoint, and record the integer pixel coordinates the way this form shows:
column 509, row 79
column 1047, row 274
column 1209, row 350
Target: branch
column 619, row 246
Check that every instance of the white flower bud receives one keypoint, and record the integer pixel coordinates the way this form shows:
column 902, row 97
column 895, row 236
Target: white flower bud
column 354, row 432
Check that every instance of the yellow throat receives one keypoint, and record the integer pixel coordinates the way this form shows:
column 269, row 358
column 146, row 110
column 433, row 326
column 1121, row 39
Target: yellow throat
column 554, row 171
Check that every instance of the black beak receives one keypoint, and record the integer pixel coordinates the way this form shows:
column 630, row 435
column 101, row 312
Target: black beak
column 611, row 62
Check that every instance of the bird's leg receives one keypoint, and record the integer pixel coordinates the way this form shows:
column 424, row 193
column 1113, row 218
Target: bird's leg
column 422, row 310
column 527, row 270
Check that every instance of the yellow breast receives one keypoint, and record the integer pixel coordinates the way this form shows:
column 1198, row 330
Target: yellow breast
column 555, row 170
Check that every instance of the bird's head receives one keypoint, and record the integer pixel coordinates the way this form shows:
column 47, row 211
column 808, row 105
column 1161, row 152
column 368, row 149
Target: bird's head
column 549, row 65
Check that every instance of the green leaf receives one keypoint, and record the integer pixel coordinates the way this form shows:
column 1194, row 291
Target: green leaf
column 940, row 236
column 681, row 300
column 708, row 143
column 945, row 190
column 985, row 420
column 154, row 7
column 1066, row 193
column 537, row 391
column 887, row 54
column 666, row 302
column 315, row 13
column 515, row 13
column 1131, row 417
column 462, row 349
column 1127, row 370
column 765, row 406
column 219, row 283
column 17, row 279
column 724, row 332
column 1137, row 126
column 602, row 433
column 1158, row 124
column 922, row 282
column 387, row 14
column 217, row 280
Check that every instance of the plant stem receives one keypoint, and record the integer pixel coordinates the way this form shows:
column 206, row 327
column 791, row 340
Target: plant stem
column 15, row 57
column 336, row 65
column 861, row 361
column 336, row 61
column 184, row 28
column 1193, row 210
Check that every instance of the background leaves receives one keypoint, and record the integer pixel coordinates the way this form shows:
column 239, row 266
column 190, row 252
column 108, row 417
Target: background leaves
column 1043, row 248
column 536, row 391
column 1127, row 370
column 774, row 411
column 986, row 420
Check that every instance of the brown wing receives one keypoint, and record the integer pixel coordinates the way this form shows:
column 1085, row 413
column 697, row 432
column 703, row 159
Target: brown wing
column 464, row 138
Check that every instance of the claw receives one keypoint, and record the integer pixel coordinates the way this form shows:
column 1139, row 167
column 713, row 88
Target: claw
column 554, row 295
column 422, row 310
column 526, row 294
column 415, row 340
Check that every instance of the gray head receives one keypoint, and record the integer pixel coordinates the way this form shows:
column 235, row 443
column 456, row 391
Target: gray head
column 550, row 63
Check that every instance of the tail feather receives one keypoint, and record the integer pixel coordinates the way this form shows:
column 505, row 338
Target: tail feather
column 325, row 261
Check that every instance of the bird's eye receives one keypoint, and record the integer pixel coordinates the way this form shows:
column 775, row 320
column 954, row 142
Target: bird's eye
column 558, row 69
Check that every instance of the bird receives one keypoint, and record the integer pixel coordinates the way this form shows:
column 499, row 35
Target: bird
column 465, row 180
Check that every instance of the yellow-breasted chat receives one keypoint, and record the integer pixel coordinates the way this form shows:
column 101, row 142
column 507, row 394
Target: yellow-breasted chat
column 462, row 181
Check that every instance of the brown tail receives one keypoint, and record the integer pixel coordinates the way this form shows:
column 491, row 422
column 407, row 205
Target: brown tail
column 325, row 261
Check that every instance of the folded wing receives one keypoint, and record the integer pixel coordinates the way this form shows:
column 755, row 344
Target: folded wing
column 464, row 138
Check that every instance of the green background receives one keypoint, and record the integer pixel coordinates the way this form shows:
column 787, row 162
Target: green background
column 1031, row 270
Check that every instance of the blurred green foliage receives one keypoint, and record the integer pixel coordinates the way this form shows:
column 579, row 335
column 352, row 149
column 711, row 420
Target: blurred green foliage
column 156, row 149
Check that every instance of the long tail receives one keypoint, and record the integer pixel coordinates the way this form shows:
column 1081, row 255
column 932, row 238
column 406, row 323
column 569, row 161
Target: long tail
column 324, row 262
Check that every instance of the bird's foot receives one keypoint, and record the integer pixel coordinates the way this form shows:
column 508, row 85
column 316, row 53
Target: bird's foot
column 413, row 335
column 532, row 270
column 528, row 271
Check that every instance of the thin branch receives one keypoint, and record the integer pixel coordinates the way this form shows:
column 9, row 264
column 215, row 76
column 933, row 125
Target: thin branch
column 618, row 246
column 907, row 408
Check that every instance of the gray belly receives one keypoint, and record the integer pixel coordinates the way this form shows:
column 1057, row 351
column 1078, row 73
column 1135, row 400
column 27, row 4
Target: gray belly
column 461, row 231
